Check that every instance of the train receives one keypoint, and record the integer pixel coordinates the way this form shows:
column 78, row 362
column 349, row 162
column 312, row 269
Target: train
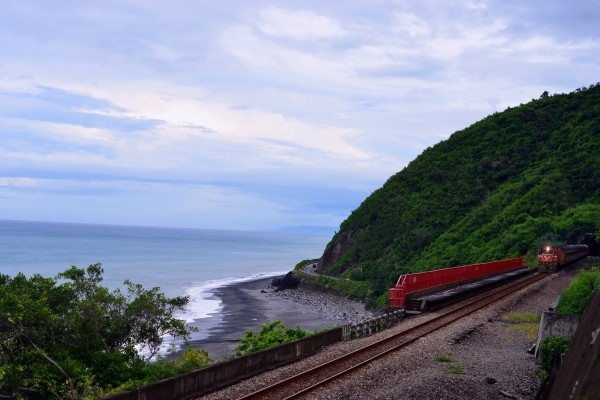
column 552, row 258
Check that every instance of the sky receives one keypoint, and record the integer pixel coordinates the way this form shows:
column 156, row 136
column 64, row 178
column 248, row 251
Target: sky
column 257, row 115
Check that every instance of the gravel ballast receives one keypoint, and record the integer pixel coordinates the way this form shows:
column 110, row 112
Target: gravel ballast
column 488, row 357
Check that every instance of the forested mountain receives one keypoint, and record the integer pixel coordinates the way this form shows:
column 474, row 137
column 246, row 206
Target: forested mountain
column 494, row 190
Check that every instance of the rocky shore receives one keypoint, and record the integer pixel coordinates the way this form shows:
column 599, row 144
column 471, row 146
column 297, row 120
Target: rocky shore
column 329, row 306
column 249, row 305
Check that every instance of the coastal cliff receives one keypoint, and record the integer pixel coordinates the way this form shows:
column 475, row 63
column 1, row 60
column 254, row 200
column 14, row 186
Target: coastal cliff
column 494, row 190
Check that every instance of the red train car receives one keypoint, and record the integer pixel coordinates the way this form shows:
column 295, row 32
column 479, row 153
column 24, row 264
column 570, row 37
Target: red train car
column 420, row 282
column 552, row 258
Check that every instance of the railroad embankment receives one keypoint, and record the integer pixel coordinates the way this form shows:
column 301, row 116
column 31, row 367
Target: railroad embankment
column 484, row 355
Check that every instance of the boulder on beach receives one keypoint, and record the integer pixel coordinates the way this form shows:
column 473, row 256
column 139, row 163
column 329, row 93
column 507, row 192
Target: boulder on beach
column 289, row 281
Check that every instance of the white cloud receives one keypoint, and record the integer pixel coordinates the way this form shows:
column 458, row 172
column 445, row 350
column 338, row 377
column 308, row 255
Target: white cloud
column 18, row 182
column 248, row 93
column 476, row 5
column 411, row 24
column 182, row 111
column 303, row 67
column 298, row 25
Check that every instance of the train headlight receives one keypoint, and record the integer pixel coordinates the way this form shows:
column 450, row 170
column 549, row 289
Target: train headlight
column 547, row 248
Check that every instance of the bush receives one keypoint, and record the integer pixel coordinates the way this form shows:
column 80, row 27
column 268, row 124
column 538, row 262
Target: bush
column 270, row 335
column 551, row 349
column 576, row 297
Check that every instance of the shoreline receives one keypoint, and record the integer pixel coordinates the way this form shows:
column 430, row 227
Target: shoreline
column 250, row 304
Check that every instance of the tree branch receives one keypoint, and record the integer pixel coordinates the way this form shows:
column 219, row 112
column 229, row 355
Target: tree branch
column 51, row 361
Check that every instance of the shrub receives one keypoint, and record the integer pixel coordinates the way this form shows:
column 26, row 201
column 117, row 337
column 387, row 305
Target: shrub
column 575, row 298
column 551, row 349
column 270, row 335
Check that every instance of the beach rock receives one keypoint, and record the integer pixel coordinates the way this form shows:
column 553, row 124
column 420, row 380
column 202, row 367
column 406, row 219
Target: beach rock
column 331, row 307
column 289, row 281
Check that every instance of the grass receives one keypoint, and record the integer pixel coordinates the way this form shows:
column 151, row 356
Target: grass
column 528, row 323
column 444, row 357
column 531, row 330
column 456, row 369
column 522, row 317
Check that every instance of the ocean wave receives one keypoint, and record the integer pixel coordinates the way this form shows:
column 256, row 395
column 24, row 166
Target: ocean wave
column 203, row 301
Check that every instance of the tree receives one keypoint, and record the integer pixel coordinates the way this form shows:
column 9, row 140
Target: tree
column 62, row 336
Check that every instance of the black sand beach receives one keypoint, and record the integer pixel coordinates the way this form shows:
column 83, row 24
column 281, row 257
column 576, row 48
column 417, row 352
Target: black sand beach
column 248, row 305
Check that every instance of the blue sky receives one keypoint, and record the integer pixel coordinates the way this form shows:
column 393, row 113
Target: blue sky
column 257, row 114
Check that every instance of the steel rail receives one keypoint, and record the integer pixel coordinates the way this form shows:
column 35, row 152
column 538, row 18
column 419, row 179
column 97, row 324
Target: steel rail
column 390, row 344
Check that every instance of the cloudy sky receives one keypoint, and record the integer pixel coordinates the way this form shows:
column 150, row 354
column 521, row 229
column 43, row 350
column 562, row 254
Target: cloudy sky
column 257, row 114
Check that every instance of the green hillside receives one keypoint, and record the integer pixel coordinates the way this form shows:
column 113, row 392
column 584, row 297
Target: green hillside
column 494, row 190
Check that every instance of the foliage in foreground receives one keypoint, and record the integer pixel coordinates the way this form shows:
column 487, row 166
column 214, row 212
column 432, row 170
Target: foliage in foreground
column 165, row 367
column 551, row 349
column 577, row 295
column 70, row 337
column 269, row 335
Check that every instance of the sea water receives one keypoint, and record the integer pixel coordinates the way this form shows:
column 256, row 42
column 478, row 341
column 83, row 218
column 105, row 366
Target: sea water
column 190, row 262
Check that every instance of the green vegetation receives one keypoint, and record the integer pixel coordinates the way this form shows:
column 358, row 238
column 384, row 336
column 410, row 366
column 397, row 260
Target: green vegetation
column 527, row 323
column 522, row 317
column 343, row 286
column 577, row 295
column 304, row 262
column 270, row 335
column 69, row 337
column 162, row 368
column 456, row 369
column 551, row 349
column 495, row 190
column 444, row 357
column 529, row 329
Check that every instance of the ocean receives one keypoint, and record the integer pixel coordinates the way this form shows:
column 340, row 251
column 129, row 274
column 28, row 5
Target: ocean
column 189, row 262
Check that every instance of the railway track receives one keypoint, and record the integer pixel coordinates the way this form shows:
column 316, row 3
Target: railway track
column 309, row 380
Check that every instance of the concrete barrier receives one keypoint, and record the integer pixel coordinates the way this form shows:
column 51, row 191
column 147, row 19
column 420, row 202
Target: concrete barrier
column 207, row 379
column 577, row 377
column 196, row 383
column 371, row 326
column 553, row 324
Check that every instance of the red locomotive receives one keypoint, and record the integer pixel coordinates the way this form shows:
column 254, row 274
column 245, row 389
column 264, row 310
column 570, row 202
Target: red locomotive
column 552, row 258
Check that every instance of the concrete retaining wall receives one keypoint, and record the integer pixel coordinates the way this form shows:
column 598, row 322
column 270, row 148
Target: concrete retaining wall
column 198, row 382
column 553, row 324
column 578, row 376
